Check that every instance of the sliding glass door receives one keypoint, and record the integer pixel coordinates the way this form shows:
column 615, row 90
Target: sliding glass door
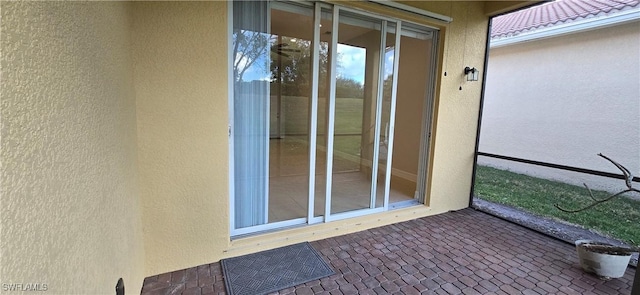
column 291, row 78
column 312, row 113
column 357, row 114
column 273, row 66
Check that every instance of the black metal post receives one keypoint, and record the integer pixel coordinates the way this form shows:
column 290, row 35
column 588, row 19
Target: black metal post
column 635, row 290
column 484, row 84
column 556, row 166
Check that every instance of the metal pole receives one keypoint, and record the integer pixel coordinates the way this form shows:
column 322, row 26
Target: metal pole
column 484, row 83
column 635, row 290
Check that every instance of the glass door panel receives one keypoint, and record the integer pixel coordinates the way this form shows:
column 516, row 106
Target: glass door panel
column 290, row 84
column 386, row 118
column 356, row 96
column 250, row 59
column 414, row 95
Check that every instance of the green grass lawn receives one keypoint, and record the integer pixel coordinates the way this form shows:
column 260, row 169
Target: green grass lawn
column 348, row 115
column 618, row 218
column 348, row 120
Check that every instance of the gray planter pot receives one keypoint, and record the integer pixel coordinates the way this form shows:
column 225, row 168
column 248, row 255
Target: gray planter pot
column 605, row 265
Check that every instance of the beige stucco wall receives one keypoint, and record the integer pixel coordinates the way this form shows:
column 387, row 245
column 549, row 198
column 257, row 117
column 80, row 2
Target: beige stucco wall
column 70, row 211
column 563, row 100
column 493, row 8
column 180, row 66
column 457, row 103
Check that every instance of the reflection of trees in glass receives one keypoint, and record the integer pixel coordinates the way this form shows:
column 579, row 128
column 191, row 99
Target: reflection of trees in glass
column 388, row 73
column 249, row 47
column 290, row 63
column 387, row 86
column 292, row 67
column 347, row 87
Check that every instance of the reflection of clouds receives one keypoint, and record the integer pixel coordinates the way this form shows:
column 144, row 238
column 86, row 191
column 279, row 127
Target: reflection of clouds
column 252, row 56
column 253, row 74
column 351, row 61
column 388, row 62
column 241, row 61
column 259, row 70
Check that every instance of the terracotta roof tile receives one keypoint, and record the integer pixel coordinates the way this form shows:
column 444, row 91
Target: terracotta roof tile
column 553, row 13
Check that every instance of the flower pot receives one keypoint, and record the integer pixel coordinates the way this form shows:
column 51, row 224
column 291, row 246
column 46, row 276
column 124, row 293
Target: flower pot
column 604, row 260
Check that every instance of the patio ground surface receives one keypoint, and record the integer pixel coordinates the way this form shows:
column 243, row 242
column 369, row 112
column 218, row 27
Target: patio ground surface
column 463, row 252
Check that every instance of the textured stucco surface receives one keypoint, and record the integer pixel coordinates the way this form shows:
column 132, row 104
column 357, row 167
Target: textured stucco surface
column 456, row 111
column 565, row 99
column 493, row 8
column 180, row 66
column 70, row 211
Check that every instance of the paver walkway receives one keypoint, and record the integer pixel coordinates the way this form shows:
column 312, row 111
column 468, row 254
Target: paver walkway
column 463, row 252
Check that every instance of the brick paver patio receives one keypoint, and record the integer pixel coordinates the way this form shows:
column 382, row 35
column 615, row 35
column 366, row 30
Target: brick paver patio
column 463, row 252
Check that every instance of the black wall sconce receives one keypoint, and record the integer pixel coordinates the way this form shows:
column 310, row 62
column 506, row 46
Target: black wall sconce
column 120, row 287
column 471, row 73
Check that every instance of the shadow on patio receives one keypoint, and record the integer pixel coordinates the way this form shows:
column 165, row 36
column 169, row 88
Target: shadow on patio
column 463, row 252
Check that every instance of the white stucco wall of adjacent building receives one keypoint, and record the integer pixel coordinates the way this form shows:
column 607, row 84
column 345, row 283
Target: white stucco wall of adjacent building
column 563, row 100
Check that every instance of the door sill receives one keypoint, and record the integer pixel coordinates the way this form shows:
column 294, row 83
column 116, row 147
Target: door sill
column 403, row 204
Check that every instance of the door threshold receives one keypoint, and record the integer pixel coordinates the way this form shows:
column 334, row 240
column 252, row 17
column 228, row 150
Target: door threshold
column 392, row 206
column 404, row 204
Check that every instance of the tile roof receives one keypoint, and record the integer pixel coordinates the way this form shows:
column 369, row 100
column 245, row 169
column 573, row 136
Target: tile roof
column 554, row 13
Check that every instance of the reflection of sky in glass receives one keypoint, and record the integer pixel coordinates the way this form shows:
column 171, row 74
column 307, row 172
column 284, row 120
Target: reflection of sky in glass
column 388, row 61
column 351, row 62
column 258, row 71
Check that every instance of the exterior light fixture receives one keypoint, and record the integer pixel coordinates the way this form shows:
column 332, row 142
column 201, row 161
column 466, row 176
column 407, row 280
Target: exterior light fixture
column 471, row 73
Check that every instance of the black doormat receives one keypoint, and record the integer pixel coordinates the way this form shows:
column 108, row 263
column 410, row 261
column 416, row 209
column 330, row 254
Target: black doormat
column 273, row 270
